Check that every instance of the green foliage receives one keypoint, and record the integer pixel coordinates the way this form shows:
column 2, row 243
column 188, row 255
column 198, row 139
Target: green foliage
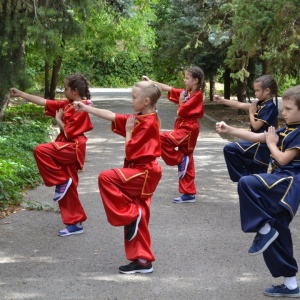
column 23, row 128
column 53, row 24
column 285, row 82
column 267, row 30
column 115, row 50
column 114, row 42
column 183, row 30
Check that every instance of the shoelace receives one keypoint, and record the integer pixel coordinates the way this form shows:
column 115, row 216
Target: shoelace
column 60, row 188
column 181, row 165
column 257, row 239
column 278, row 287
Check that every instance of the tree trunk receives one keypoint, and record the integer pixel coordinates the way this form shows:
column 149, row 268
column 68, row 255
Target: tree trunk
column 3, row 106
column 264, row 67
column 54, row 79
column 241, row 93
column 212, row 83
column 12, row 34
column 47, row 84
column 227, row 82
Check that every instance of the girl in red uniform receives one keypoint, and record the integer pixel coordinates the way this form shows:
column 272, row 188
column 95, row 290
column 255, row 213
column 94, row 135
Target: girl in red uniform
column 126, row 192
column 178, row 145
column 59, row 161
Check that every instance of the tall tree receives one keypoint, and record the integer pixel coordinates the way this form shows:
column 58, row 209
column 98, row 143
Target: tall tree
column 183, row 31
column 12, row 33
column 266, row 32
column 55, row 23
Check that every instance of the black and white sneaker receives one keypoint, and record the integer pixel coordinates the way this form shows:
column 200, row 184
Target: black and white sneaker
column 132, row 229
column 136, row 267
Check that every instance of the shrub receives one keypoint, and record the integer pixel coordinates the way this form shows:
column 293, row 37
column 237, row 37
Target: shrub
column 24, row 126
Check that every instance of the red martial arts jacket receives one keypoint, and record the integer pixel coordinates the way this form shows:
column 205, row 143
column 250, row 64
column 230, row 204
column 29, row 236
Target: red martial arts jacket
column 76, row 124
column 141, row 151
column 193, row 107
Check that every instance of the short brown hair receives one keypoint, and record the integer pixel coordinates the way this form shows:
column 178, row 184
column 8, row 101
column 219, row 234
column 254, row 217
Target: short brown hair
column 293, row 93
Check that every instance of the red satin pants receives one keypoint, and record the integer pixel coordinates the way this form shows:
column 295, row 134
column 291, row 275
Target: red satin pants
column 56, row 167
column 121, row 203
column 171, row 156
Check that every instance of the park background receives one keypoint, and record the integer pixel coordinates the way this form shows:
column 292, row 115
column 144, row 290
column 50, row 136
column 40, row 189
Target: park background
column 114, row 42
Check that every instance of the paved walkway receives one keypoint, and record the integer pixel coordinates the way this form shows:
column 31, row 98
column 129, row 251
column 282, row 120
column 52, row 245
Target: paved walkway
column 201, row 252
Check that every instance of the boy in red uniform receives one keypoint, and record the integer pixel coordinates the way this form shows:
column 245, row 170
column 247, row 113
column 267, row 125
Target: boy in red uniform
column 126, row 192
column 59, row 161
column 178, row 145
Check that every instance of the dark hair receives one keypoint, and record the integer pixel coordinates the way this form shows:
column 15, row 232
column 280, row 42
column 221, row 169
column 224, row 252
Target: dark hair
column 293, row 93
column 197, row 72
column 80, row 83
column 268, row 82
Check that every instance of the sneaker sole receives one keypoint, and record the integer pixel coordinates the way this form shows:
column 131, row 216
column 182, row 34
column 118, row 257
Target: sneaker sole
column 67, row 187
column 71, row 233
column 184, row 201
column 146, row 271
column 266, row 246
column 282, row 295
column 137, row 225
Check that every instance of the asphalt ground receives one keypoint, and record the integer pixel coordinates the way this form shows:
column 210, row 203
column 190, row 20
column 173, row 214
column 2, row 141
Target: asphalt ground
column 201, row 252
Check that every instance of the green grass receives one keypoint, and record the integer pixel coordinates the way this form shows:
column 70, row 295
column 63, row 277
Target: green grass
column 23, row 127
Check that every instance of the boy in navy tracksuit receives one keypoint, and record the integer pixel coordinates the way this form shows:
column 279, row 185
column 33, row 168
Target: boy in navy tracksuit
column 268, row 202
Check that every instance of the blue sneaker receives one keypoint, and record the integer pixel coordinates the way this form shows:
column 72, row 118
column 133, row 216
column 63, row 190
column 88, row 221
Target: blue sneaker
column 61, row 190
column 282, row 291
column 71, row 229
column 185, row 199
column 183, row 166
column 262, row 242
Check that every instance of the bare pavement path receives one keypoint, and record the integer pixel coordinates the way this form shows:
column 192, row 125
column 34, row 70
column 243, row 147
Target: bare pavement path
column 201, row 252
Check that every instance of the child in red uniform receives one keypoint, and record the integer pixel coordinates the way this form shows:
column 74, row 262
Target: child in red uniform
column 59, row 161
column 126, row 192
column 178, row 145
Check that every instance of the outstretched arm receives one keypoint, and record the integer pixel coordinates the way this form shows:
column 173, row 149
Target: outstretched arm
column 31, row 98
column 222, row 127
column 98, row 112
column 235, row 104
column 162, row 86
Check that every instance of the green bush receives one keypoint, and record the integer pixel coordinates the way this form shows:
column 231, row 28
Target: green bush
column 24, row 127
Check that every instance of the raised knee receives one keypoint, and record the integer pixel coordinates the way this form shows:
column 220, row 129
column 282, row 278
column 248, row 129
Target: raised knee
column 103, row 177
column 37, row 149
column 242, row 180
column 229, row 148
column 245, row 181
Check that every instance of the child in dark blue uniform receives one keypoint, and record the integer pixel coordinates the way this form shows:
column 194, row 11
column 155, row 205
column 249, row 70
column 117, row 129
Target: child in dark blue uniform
column 268, row 202
column 243, row 157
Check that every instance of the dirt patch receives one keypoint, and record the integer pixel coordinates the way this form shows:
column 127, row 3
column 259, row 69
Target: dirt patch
column 9, row 210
